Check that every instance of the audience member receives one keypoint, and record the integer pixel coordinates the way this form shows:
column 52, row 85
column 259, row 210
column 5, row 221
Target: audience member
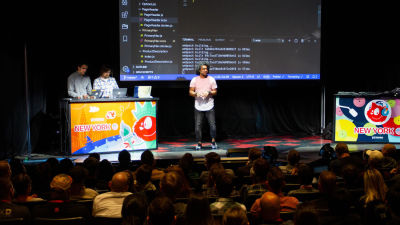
column 8, row 210
column 91, row 165
column 373, row 202
column 147, row 158
column 353, row 180
column 142, row 180
column 161, row 212
column 212, row 158
column 326, row 186
column 104, row 174
column 59, row 204
column 109, row 204
column 270, row 208
column 305, row 176
column 259, row 175
column 344, row 158
column 198, row 211
column 65, row 166
column 254, row 153
column 95, row 155
column 17, row 166
column 224, row 187
column 235, row 216
column 78, row 189
column 134, row 209
column 5, row 169
column 23, row 187
column 124, row 159
column 186, row 163
column 305, row 215
column 375, row 159
column 393, row 200
column 276, row 182
column 389, row 161
column 293, row 159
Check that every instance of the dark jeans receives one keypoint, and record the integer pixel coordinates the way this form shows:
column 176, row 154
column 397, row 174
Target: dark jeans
column 198, row 120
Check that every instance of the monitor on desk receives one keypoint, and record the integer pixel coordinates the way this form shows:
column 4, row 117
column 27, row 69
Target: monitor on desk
column 119, row 92
column 142, row 92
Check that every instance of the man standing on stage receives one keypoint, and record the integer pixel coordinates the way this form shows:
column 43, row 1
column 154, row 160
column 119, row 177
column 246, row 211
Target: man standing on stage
column 203, row 88
column 79, row 85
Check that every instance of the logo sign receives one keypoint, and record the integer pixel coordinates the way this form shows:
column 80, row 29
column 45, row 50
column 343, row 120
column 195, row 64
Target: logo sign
column 378, row 112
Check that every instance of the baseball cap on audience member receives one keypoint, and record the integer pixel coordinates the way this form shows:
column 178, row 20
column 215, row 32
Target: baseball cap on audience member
column 61, row 181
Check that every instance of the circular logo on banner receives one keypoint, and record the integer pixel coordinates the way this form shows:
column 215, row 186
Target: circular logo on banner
column 378, row 112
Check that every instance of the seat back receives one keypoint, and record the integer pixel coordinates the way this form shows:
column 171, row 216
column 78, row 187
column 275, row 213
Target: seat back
column 59, row 221
column 106, row 221
column 12, row 221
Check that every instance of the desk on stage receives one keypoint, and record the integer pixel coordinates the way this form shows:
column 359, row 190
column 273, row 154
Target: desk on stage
column 366, row 117
column 108, row 125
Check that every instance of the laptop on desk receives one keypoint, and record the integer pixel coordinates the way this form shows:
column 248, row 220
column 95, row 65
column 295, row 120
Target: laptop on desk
column 96, row 93
column 119, row 92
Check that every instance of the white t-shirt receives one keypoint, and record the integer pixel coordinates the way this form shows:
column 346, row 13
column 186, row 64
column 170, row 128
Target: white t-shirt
column 109, row 204
column 203, row 85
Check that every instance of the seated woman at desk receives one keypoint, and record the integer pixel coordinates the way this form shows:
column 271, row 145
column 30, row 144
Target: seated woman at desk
column 104, row 82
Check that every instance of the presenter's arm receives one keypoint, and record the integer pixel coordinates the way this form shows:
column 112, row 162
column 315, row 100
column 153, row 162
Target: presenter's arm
column 71, row 90
column 192, row 92
column 213, row 92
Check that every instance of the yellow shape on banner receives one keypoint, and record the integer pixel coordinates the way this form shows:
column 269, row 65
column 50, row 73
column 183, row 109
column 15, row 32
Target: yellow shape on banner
column 396, row 120
column 345, row 131
column 370, row 125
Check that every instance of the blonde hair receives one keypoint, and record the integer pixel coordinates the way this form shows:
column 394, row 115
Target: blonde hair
column 374, row 186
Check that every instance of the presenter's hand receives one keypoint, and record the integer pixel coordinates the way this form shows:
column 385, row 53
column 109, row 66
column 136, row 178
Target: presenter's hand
column 85, row 97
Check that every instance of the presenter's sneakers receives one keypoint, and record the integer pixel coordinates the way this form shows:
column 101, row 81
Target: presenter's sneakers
column 214, row 145
column 198, row 147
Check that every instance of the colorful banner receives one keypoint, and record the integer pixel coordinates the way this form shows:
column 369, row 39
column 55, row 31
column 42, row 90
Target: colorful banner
column 113, row 126
column 359, row 119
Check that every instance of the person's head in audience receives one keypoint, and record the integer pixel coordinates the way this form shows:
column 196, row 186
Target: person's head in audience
column 198, row 210
column 172, row 185
column 254, row 153
column 276, row 180
column 270, row 207
column 23, row 186
column 224, row 185
column 124, row 159
column 105, row 170
column 91, row 165
column 215, row 171
column 211, row 159
column 305, row 174
column 66, row 165
column 305, row 215
column 342, row 150
column 119, row 182
column 78, row 174
column 6, row 189
column 143, row 176
column 293, row 157
column 54, row 166
column 95, row 155
column 186, row 163
column 60, row 187
column 147, row 157
column 235, row 216
column 393, row 199
column 339, row 202
column 352, row 176
column 161, row 212
column 374, row 186
column 17, row 166
column 5, row 169
column 375, row 158
column 327, row 182
column 260, row 169
column 389, row 150
column 134, row 209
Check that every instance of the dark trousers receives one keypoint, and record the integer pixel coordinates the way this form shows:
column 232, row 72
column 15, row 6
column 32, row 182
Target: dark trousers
column 198, row 118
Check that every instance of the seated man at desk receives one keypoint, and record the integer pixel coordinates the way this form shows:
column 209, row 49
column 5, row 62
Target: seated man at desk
column 105, row 83
column 79, row 85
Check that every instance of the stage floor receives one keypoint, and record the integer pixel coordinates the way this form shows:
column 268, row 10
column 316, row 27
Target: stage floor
column 307, row 146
